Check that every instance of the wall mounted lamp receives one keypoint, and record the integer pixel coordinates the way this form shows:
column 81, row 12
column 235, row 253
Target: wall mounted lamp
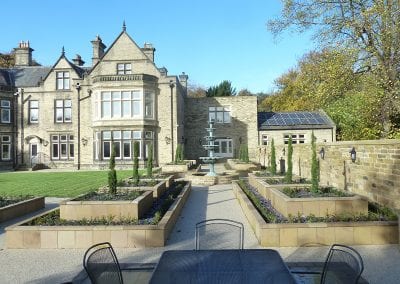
column 353, row 154
column 200, row 141
column 84, row 141
column 240, row 139
column 322, row 153
column 45, row 143
column 167, row 140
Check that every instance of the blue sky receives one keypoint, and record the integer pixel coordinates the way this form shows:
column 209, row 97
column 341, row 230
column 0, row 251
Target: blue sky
column 210, row 40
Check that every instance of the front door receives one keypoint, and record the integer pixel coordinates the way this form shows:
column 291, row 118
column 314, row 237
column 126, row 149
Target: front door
column 33, row 153
column 224, row 149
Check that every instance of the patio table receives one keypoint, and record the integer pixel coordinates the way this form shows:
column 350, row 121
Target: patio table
column 221, row 266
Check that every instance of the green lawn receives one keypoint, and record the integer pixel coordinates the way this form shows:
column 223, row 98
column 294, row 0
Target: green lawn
column 56, row 184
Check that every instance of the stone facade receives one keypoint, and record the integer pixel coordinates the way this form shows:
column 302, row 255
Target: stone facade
column 241, row 127
column 68, row 115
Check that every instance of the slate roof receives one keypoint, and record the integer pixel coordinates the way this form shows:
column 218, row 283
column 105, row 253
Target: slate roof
column 5, row 78
column 23, row 76
column 294, row 120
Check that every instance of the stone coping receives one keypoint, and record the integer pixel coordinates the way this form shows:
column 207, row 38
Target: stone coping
column 318, row 206
column 90, row 209
column 21, row 208
column 157, row 189
column 120, row 236
column 242, row 166
column 299, row 234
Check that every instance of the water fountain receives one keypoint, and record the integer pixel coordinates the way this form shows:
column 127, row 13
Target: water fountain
column 210, row 147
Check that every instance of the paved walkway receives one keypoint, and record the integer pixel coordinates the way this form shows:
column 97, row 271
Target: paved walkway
column 55, row 266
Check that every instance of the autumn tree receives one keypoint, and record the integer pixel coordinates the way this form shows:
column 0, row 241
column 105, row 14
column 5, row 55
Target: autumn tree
column 370, row 28
column 7, row 60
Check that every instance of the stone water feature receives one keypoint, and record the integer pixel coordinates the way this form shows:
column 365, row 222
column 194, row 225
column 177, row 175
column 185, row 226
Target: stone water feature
column 211, row 159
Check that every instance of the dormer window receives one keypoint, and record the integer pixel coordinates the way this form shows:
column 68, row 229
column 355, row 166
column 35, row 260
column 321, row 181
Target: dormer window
column 62, row 80
column 124, row 68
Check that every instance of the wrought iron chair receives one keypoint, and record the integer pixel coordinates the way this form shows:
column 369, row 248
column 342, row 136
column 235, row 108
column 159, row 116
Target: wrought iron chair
column 101, row 264
column 343, row 264
column 219, row 234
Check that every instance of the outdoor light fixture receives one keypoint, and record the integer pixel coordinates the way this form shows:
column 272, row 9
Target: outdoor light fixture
column 322, row 153
column 84, row 141
column 167, row 140
column 240, row 139
column 45, row 143
column 353, row 154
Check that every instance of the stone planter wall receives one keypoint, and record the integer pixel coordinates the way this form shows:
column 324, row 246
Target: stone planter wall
column 61, row 237
column 157, row 190
column 318, row 206
column 78, row 210
column 242, row 166
column 172, row 168
column 21, row 208
column 291, row 235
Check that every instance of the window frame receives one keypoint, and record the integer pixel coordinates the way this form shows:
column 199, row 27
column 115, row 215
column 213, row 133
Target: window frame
column 5, row 143
column 57, row 141
column 31, row 110
column 63, row 109
column 63, row 80
column 220, row 114
column 297, row 138
column 124, row 70
column 5, row 108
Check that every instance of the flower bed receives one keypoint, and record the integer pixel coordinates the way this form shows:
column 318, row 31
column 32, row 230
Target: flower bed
column 147, row 232
column 318, row 206
column 94, row 205
column 15, row 207
column 304, row 231
column 157, row 186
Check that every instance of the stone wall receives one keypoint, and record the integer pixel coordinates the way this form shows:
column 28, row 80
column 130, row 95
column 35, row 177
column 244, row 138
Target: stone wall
column 242, row 129
column 375, row 173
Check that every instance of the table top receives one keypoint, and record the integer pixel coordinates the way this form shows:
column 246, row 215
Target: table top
column 221, row 266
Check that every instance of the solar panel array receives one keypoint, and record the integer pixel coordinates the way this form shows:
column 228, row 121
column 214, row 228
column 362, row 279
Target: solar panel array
column 291, row 118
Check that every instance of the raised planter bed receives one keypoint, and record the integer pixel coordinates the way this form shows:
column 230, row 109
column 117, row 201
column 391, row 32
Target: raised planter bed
column 318, row 206
column 158, row 189
column 21, row 208
column 298, row 234
column 201, row 178
column 242, row 167
column 178, row 168
column 78, row 210
column 120, row 236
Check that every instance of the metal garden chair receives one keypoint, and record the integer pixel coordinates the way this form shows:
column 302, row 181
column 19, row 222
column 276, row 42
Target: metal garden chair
column 343, row 264
column 219, row 234
column 101, row 264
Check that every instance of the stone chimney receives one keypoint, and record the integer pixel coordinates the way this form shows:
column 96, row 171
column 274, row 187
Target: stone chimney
column 148, row 49
column 98, row 50
column 78, row 60
column 23, row 54
column 183, row 78
column 163, row 71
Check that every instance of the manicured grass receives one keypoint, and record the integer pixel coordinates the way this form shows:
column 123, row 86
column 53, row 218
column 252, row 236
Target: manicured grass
column 55, row 184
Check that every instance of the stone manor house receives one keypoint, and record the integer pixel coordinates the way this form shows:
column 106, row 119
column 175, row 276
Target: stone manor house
column 70, row 115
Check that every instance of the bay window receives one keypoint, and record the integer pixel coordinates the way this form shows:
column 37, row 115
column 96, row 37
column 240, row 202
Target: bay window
column 125, row 104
